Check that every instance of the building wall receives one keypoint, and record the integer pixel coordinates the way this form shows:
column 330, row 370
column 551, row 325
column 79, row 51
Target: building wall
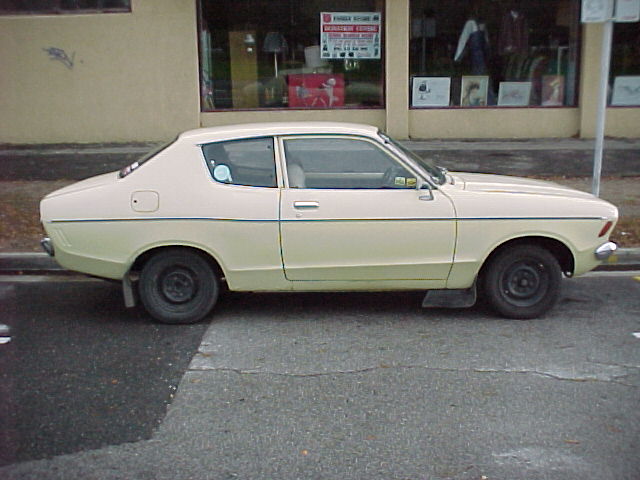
column 134, row 75
column 495, row 123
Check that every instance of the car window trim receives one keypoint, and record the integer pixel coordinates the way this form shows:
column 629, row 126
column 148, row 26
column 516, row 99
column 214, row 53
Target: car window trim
column 273, row 139
column 422, row 178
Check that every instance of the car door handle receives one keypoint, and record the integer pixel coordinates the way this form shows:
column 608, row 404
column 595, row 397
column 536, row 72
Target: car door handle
column 306, row 204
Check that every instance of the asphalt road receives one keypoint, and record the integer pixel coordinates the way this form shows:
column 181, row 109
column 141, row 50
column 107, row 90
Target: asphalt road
column 81, row 371
column 344, row 386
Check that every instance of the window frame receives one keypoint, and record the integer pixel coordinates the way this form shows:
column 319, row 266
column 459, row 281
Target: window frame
column 620, row 31
column 391, row 155
column 56, row 9
column 275, row 158
column 204, row 109
column 577, row 69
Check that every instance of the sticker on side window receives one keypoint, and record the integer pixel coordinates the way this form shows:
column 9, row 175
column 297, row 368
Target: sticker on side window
column 222, row 173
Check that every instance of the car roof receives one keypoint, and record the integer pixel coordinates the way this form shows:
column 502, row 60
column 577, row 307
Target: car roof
column 228, row 132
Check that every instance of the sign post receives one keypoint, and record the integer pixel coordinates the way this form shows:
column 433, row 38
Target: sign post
column 602, row 11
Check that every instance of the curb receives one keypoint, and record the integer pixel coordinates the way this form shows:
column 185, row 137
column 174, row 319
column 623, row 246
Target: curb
column 34, row 263
column 29, row 263
column 623, row 259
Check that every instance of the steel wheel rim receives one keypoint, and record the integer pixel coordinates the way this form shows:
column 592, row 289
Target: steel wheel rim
column 524, row 283
column 178, row 285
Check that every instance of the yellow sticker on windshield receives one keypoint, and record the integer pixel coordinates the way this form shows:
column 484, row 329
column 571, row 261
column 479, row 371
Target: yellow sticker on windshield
column 412, row 182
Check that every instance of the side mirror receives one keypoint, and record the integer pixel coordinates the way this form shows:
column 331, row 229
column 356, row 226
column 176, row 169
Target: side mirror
column 426, row 193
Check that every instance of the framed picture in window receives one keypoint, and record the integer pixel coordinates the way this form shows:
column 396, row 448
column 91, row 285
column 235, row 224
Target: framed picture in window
column 431, row 91
column 473, row 92
column 626, row 91
column 316, row 90
column 552, row 90
column 514, row 94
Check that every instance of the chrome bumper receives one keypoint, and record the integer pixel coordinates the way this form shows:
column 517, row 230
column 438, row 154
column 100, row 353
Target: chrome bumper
column 605, row 250
column 47, row 246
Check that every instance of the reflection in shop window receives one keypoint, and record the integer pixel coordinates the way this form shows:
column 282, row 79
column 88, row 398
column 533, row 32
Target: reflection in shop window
column 325, row 54
column 482, row 53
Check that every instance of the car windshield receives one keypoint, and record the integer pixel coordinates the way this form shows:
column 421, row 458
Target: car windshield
column 147, row 156
column 437, row 173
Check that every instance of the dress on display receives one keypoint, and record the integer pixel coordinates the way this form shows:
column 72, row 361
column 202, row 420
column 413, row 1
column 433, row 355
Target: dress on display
column 474, row 37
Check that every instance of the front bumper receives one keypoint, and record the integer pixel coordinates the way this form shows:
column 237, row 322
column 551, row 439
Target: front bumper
column 605, row 250
column 47, row 246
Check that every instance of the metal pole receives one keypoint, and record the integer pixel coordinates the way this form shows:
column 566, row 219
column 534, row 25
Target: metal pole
column 605, row 60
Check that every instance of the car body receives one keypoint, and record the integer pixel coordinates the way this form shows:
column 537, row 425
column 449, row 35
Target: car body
column 318, row 206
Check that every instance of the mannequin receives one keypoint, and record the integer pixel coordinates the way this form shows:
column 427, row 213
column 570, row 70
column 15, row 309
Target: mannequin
column 514, row 33
column 474, row 35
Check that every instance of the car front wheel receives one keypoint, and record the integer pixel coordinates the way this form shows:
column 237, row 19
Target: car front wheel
column 522, row 281
column 178, row 287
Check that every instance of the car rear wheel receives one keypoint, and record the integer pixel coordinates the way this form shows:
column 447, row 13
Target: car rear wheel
column 522, row 281
column 178, row 287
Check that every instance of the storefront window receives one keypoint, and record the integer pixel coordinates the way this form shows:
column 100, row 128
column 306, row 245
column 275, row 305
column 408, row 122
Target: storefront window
column 321, row 54
column 497, row 53
column 625, row 65
column 63, row 6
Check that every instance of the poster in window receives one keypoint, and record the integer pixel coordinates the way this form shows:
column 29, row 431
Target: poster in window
column 350, row 35
column 473, row 92
column 316, row 90
column 514, row 94
column 552, row 90
column 596, row 11
column 626, row 92
column 431, row 91
column 627, row 11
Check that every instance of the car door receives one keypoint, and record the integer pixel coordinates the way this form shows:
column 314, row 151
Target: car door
column 244, row 201
column 350, row 211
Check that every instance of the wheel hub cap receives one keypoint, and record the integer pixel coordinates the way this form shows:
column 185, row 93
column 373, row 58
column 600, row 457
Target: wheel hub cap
column 523, row 282
column 178, row 286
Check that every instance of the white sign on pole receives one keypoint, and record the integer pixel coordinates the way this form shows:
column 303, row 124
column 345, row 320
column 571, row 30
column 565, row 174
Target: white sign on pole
column 596, row 11
column 627, row 11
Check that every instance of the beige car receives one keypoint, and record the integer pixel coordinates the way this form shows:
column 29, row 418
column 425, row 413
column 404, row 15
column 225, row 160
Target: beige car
column 321, row 207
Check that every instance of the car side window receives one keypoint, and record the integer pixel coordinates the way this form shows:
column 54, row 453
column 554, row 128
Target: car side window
column 242, row 162
column 342, row 163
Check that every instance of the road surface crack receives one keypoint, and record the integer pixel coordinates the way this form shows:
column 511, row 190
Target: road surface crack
column 580, row 378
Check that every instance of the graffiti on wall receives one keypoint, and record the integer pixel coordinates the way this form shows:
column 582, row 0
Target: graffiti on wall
column 59, row 55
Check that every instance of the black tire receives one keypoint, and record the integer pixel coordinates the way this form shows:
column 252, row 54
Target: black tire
column 178, row 287
column 522, row 282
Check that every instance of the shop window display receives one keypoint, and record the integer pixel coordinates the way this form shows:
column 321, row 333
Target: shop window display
column 265, row 54
column 494, row 53
column 625, row 65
